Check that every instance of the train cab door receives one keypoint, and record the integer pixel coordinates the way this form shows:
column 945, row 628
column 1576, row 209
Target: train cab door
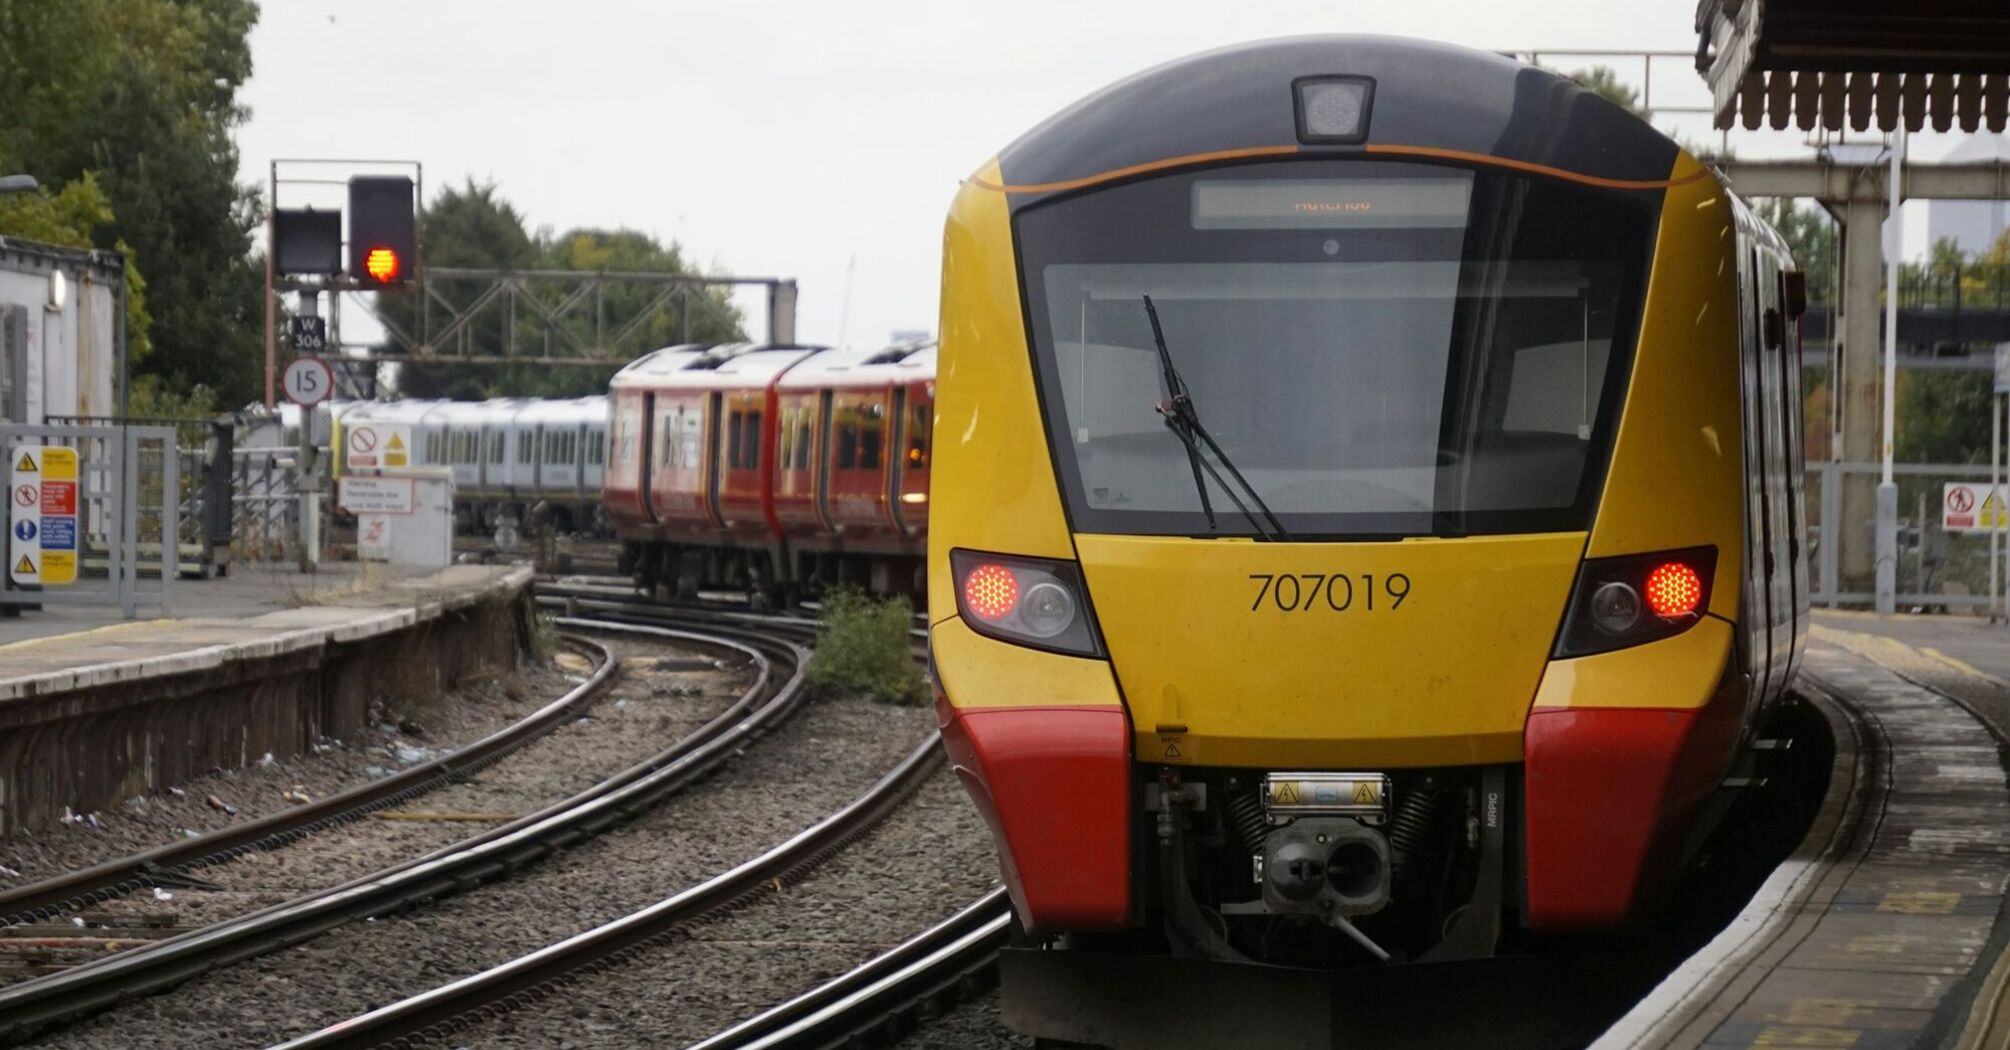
column 918, row 423
column 1759, row 568
column 825, row 461
column 896, row 460
column 715, row 457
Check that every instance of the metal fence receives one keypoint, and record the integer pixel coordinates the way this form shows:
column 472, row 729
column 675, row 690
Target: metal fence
column 125, row 478
column 203, row 448
column 1937, row 569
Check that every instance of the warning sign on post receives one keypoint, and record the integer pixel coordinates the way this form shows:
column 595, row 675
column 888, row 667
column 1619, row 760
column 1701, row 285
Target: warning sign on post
column 42, row 516
column 377, row 445
column 1967, row 506
column 376, row 495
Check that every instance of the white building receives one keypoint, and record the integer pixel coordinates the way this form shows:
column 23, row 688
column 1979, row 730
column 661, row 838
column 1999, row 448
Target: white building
column 1974, row 225
column 59, row 327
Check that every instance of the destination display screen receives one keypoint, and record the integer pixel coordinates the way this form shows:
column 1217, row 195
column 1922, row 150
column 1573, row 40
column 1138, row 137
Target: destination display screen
column 1433, row 202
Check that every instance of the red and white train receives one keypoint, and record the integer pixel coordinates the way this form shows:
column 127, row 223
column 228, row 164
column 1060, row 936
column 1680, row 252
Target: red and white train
column 778, row 469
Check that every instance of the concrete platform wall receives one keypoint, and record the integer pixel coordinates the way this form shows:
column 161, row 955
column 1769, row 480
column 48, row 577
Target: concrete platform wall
column 109, row 737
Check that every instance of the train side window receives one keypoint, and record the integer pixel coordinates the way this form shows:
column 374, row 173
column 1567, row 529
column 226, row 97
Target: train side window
column 733, row 440
column 432, row 447
column 869, row 438
column 803, row 441
column 785, row 440
column 496, row 447
column 524, row 443
column 917, row 437
column 596, row 449
column 750, row 448
column 847, row 445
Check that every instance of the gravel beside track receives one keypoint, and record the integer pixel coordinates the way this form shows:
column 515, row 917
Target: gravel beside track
column 971, row 1025
column 644, row 710
column 929, row 859
column 826, row 754
column 473, row 710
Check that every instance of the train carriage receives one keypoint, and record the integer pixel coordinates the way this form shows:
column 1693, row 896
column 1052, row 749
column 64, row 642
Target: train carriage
column 1372, row 523
column 774, row 469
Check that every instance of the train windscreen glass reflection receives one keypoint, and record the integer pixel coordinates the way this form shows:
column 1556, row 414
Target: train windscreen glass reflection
column 1412, row 355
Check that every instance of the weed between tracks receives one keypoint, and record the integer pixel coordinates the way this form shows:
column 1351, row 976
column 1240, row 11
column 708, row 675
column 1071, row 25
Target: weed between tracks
column 862, row 647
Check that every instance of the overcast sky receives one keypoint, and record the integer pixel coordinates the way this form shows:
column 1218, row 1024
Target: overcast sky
column 801, row 139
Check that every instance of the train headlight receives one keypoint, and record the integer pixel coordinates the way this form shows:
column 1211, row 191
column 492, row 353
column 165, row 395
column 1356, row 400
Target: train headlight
column 1029, row 601
column 1615, row 607
column 1619, row 602
column 1333, row 109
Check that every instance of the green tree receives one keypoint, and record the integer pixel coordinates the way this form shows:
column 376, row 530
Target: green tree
column 1605, row 81
column 1943, row 416
column 143, row 94
column 1811, row 235
column 472, row 226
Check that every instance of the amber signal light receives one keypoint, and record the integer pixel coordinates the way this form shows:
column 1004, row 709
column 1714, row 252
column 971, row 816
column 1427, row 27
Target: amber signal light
column 1674, row 589
column 381, row 264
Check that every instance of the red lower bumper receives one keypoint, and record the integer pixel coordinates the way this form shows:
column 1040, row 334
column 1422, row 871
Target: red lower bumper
column 1054, row 784
column 1611, row 795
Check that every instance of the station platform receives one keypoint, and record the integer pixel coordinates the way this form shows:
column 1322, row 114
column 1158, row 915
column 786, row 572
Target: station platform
column 95, row 709
column 257, row 611
column 1890, row 925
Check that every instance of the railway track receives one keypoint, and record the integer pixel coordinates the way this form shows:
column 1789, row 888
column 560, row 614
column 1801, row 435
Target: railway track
column 172, row 864
column 880, row 996
column 436, row 1013
column 891, row 984
column 776, row 692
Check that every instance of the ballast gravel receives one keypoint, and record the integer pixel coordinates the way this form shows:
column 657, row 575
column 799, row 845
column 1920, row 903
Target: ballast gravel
column 825, row 755
column 468, row 713
column 929, row 859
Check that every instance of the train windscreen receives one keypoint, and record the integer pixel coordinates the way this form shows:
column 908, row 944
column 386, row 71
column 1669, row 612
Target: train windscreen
column 1379, row 349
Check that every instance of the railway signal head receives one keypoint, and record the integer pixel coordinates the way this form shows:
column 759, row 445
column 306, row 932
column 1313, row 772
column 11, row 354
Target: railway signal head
column 383, row 234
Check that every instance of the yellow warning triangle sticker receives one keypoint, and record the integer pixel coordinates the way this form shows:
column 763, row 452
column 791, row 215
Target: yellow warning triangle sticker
column 27, row 464
column 1172, row 750
column 26, row 568
column 395, row 443
column 1286, row 793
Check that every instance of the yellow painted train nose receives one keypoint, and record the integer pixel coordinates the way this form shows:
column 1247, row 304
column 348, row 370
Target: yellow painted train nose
column 1422, row 652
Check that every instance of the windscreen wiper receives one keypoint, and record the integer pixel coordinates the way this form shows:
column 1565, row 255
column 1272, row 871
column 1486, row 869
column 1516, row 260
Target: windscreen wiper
column 1184, row 421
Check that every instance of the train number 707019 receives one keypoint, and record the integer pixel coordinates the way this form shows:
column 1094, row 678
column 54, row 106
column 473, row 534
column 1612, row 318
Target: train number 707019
column 1335, row 592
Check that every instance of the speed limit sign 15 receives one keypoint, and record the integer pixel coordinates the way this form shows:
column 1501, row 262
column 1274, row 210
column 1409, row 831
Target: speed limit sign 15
column 308, row 381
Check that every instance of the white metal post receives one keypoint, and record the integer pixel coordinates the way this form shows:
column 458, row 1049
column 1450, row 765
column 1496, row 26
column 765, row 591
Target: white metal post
column 1887, row 489
column 1995, row 485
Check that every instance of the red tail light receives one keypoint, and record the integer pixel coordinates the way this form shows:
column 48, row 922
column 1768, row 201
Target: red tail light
column 1674, row 589
column 1636, row 598
column 991, row 591
column 1037, row 602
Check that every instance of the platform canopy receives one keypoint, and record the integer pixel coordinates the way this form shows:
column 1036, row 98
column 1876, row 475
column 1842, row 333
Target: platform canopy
column 1859, row 64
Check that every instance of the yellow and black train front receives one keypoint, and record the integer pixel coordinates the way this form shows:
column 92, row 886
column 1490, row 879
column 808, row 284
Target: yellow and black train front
column 1344, row 502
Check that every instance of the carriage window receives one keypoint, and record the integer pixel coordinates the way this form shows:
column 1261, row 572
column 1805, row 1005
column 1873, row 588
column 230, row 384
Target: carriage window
column 803, row 441
column 917, row 437
column 847, row 445
column 432, row 447
column 733, row 440
column 868, row 445
column 596, row 448
column 496, row 447
column 750, row 447
column 785, row 440
column 524, row 443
